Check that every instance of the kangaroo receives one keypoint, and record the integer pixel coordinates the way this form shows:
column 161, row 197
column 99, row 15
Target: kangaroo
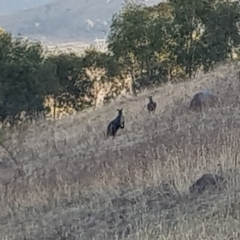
column 114, row 125
column 151, row 107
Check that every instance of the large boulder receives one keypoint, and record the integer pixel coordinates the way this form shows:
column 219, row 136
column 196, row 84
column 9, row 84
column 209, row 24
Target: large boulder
column 203, row 99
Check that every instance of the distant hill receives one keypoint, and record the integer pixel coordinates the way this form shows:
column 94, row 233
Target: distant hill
column 65, row 20
column 13, row 6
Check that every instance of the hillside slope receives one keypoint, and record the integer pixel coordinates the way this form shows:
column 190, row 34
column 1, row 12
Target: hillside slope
column 12, row 6
column 80, row 184
column 68, row 20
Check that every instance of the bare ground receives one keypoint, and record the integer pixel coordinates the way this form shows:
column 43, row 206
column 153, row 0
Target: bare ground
column 77, row 184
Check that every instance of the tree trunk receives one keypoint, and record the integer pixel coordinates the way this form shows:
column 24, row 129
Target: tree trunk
column 54, row 107
column 133, row 83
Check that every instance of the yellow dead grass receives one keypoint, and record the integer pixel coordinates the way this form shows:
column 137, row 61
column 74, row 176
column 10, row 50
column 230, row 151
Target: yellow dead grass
column 80, row 185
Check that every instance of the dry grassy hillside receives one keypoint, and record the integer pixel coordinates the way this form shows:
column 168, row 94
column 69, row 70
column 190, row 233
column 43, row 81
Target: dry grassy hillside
column 79, row 185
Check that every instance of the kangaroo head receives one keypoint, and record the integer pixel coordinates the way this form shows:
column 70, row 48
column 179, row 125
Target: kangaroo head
column 120, row 111
column 150, row 98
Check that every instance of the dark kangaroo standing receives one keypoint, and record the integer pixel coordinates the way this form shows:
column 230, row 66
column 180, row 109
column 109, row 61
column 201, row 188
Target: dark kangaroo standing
column 115, row 124
column 151, row 107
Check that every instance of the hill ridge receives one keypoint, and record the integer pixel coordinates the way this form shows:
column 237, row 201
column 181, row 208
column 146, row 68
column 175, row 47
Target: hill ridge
column 69, row 20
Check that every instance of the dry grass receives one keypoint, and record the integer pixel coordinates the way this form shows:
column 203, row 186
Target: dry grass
column 79, row 185
column 78, row 48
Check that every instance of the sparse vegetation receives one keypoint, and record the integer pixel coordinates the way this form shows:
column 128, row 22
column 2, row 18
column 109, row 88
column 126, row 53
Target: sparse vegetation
column 78, row 185
column 65, row 180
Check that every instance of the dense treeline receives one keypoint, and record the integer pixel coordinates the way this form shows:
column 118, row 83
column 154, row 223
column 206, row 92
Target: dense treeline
column 147, row 45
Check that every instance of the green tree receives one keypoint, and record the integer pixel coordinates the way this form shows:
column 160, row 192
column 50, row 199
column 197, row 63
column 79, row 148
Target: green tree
column 162, row 43
column 95, row 59
column 221, row 33
column 71, row 82
column 205, row 32
column 128, row 40
column 21, row 88
column 47, row 75
column 186, row 31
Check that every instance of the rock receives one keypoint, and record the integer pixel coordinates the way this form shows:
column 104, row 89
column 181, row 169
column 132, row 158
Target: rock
column 202, row 99
column 122, row 201
column 207, row 182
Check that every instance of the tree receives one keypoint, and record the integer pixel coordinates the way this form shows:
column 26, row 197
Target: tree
column 162, row 43
column 186, row 31
column 71, row 81
column 221, row 34
column 128, row 39
column 21, row 89
column 95, row 59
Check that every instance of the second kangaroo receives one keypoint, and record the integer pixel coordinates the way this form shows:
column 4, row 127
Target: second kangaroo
column 151, row 107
